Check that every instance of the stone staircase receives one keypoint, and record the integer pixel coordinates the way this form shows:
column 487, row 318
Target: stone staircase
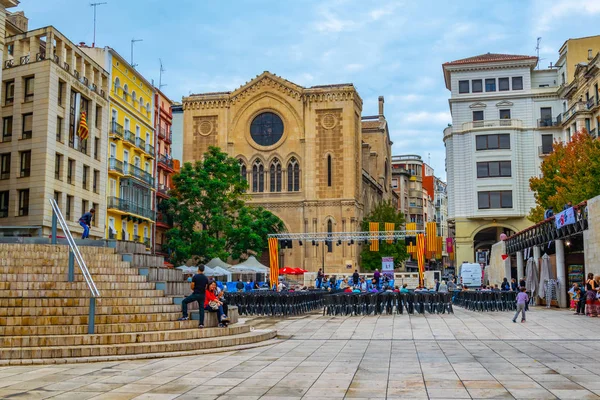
column 44, row 318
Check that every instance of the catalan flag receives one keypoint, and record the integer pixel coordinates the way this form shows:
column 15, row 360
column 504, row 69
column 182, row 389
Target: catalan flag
column 411, row 248
column 274, row 261
column 421, row 256
column 83, row 131
column 389, row 230
column 431, row 231
column 374, row 229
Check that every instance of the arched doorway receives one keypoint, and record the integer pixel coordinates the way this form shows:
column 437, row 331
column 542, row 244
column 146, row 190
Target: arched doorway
column 485, row 239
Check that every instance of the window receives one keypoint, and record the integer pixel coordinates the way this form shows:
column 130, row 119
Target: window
column 68, row 208
column 329, row 242
column 70, row 170
column 115, row 115
column 125, row 92
column 27, row 126
column 293, row 171
column 25, row 164
column 546, row 116
column 329, row 170
column 504, row 114
column 490, row 85
column 94, row 219
column 117, row 83
column 9, row 92
column 275, row 176
column 96, row 181
column 7, row 129
column 499, row 199
column 58, row 166
column 59, row 126
column 85, row 178
column 243, row 170
column 134, row 96
column 394, row 183
column 503, row 84
column 266, row 129
column 517, row 83
column 29, row 85
column 562, row 79
column 112, row 187
column 97, row 148
column 137, row 132
column 61, row 88
column 84, row 207
column 493, row 142
column 478, row 115
column 147, row 167
column 463, row 86
column 11, row 49
column 5, row 166
column 493, row 169
column 547, row 141
column 113, row 150
column 258, row 177
column 4, row 203
column 23, row 202
column 477, row 85
column 136, row 236
column 146, row 233
column 98, row 117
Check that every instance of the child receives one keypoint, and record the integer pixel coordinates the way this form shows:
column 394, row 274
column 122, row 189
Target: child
column 573, row 296
column 522, row 300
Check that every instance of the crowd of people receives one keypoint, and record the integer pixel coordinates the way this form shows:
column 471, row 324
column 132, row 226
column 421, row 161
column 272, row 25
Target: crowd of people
column 585, row 300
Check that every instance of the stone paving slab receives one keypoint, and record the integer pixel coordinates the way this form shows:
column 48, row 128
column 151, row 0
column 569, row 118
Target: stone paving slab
column 462, row 356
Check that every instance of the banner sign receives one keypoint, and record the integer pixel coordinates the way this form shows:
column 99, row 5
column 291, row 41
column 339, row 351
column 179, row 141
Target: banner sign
column 387, row 266
column 566, row 217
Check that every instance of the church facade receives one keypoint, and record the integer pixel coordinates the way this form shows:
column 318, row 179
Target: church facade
column 308, row 156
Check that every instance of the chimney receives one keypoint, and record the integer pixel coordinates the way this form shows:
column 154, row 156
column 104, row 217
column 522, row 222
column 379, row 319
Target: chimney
column 381, row 101
column 590, row 56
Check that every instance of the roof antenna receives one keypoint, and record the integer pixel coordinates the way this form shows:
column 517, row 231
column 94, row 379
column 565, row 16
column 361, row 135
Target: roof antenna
column 95, row 5
column 132, row 43
column 160, row 84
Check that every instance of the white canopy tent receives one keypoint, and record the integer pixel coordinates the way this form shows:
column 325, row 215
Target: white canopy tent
column 253, row 264
column 223, row 272
column 217, row 262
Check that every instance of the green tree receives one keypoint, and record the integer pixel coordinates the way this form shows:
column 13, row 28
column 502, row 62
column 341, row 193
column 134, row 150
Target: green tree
column 207, row 208
column 384, row 212
column 570, row 173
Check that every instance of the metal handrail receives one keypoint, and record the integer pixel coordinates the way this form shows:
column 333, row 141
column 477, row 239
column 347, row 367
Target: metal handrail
column 73, row 246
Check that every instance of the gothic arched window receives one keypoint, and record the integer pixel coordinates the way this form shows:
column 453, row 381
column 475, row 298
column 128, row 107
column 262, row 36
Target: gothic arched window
column 243, row 171
column 275, row 176
column 329, row 170
column 293, row 173
column 258, row 177
column 329, row 242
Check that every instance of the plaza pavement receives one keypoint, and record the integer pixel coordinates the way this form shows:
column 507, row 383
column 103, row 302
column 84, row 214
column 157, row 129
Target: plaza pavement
column 466, row 355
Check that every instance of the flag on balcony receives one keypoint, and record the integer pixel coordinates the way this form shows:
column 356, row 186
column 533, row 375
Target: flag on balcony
column 83, row 131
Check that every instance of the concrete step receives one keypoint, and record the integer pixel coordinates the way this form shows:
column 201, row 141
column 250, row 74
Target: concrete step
column 63, row 269
column 49, row 285
column 79, row 293
column 100, row 329
column 83, row 319
column 64, row 278
column 100, row 310
column 135, row 348
column 121, row 338
column 84, row 302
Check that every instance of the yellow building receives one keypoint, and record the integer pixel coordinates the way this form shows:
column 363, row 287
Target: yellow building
column 131, row 152
column 573, row 52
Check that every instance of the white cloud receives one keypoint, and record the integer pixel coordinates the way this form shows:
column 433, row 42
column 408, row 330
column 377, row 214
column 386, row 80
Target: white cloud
column 405, row 98
column 354, row 67
column 546, row 14
column 420, row 117
column 378, row 13
column 331, row 23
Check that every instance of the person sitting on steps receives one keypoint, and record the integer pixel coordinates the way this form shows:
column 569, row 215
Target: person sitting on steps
column 213, row 304
column 198, row 285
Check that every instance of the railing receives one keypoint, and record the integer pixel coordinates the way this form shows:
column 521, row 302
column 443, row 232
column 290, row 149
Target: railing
column 548, row 122
column 150, row 149
column 115, row 165
column 7, row 138
column 164, row 219
column 167, row 161
column 546, row 231
column 131, row 207
column 75, row 255
column 136, row 238
column 163, row 189
column 129, row 136
column 575, row 108
column 141, row 143
column 139, row 173
column 147, row 242
column 492, row 123
column 162, row 133
column 593, row 132
column 544, row 151
column 116, row 129
column 591, row 103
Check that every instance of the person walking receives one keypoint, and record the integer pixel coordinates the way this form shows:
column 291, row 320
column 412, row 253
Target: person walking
column 522, row 300
column 355, row 277
column 377, row 277
column 198, row 285
column 86, row 221
column 320, row 276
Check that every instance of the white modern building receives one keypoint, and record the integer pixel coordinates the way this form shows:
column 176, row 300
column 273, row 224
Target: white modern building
column 504, row 121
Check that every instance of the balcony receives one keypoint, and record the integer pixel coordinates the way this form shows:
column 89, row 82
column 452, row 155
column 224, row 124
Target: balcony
column 162, row 133
column 549, row 122
column 575, row 108
column 130, row 207
column 163, row 189
column 150, row 149
column 138, row 173
column 129, row 136
column 492, row 123
column 166, row 161
column 543, row 151
column 164, row 220
column 141, row 143
column 116, row 130
column 591, row 103
column 115, row 165
column 594, row 133
column 147, row 242
column 136, row 238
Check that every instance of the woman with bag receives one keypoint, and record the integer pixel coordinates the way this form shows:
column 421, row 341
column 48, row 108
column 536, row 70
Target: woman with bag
column 213, row 304
column 591, row 310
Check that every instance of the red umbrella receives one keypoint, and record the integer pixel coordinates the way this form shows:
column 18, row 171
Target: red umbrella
column 300, row 271
column 287, row 271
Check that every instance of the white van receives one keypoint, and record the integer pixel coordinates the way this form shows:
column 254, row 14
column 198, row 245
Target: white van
column 470, row 275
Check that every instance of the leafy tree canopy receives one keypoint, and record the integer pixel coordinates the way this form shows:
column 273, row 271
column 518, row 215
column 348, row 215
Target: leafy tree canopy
column 209, row 214
column 570, row 173
column 384, row 212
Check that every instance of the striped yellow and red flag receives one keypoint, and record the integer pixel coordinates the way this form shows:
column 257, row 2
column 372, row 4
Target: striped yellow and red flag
column 421, row 256
column 83, row 131
column 431, row 232
column 374, row 229
column 389, row 229
column 411, row 248
column 274, row 261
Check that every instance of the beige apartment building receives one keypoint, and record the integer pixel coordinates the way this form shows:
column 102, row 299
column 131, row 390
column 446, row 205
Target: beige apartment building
column 46, row 84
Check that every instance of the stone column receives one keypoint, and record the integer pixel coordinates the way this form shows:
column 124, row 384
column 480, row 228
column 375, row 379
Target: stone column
column 536, row 255
column 520, row 269
column 561, row 274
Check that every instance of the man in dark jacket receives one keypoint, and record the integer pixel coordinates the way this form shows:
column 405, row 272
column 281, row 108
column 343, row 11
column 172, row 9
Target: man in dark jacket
column 86, row 221
column 355, row 277
column 239, row 285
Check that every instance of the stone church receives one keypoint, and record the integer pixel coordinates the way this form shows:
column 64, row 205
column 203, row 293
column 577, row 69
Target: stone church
column 308, row 156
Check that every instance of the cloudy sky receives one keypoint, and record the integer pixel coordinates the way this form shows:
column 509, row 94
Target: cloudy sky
column 393, row 48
